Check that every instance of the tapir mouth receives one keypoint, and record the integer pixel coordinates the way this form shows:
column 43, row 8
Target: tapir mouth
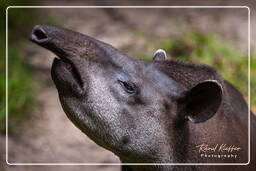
column 65, row 73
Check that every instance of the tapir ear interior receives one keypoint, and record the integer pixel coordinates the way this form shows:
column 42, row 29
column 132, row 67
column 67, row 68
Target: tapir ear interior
column 159, row 55
column 201, row 102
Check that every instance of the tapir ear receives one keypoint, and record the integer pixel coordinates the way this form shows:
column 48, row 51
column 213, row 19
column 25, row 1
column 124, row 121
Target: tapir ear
column 202, row 101
column 159, row 55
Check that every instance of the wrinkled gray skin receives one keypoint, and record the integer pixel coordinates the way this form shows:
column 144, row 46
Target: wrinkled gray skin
column 145, row 112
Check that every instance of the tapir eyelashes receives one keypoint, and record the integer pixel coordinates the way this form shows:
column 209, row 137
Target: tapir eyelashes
column 128, row 86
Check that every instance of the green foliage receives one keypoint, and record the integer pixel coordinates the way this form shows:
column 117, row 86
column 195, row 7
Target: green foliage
column 207, row 49
column 253, row 80
column 2, row 87
column 21, row 87
column 2, row 68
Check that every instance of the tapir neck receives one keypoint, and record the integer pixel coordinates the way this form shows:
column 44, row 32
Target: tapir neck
column 157, row 168
column 178, row 154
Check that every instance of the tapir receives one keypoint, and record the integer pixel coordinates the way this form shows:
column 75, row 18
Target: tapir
column 154, row 115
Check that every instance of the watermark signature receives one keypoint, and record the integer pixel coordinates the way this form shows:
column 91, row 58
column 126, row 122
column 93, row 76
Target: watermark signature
column 218, row 150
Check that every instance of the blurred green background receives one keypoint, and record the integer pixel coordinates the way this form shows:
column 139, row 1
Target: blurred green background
column 20, row 85
column 194, row 45
column 22, row 88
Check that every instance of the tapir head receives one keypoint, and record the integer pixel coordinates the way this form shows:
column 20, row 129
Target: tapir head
column 128, row 106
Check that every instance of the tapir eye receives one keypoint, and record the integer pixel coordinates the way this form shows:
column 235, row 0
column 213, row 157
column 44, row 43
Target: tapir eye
column 128, row 86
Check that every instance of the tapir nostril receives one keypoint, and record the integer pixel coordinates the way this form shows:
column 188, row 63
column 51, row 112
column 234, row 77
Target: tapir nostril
column 38, row 35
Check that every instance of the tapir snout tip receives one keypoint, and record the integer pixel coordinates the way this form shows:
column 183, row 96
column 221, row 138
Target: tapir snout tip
column 39, row 35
